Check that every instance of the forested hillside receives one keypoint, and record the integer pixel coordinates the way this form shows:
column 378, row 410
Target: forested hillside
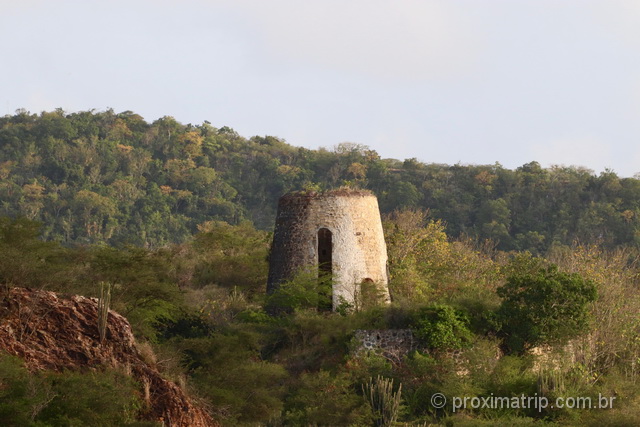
column 513, row 282
column 93, row 177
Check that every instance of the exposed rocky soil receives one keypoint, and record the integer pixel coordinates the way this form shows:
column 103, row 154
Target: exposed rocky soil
column 52, row 331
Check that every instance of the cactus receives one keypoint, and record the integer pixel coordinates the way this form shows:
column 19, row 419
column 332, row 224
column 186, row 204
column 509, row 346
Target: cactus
column 103, row 308
column 384, row 402
column 550, row 380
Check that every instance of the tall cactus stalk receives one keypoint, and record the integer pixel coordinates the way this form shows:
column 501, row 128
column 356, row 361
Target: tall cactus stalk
column 103, row 309
column 384, row 402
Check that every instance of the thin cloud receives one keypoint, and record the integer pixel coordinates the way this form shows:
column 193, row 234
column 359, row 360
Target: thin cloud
column 404, row 39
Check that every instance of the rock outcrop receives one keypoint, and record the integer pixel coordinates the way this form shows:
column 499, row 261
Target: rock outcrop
column 51, row 331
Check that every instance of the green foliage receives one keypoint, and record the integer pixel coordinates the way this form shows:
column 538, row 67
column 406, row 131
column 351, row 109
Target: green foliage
column 165, row 212
column 305, row 291
column 543, row 306
column 441, row 327
column 414, row 246
column 66, row 399
column 495, row 219
column 184, row 325
column 95, row 398
column 325, row 398
column 20, row 395
column 383, row 400
column 228, row 371
column 143, row 290
column 370, row 295
column 367, row 365
column 94, row 177
column 254, row 316
column 231, row 256
column 479, row 303
column 424, row 264
column 27, row 261
column 512, row 376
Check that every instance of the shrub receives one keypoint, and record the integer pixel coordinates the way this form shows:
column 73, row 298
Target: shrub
column 543, row 307
column 228, row 371
column 323, row 398
column 102, row 398
column 305, row 291
column 441, row 327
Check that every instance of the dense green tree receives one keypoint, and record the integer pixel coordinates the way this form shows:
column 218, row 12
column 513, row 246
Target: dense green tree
column 543, row 306
column 55, row 167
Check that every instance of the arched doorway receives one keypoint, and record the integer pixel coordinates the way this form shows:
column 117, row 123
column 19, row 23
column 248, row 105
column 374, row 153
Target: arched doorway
column 325, row 250
column 325, row 269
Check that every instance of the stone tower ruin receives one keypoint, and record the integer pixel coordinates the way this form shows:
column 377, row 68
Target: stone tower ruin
column 337, row 232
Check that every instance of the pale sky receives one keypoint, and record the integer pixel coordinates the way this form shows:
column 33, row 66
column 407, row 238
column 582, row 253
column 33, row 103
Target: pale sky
column 450, row 81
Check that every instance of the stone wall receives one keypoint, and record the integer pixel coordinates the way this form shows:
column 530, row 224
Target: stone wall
column 359, row 252
column 391, row 343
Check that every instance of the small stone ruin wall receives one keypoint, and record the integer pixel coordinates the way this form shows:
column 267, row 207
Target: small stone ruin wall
column 391, row 343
